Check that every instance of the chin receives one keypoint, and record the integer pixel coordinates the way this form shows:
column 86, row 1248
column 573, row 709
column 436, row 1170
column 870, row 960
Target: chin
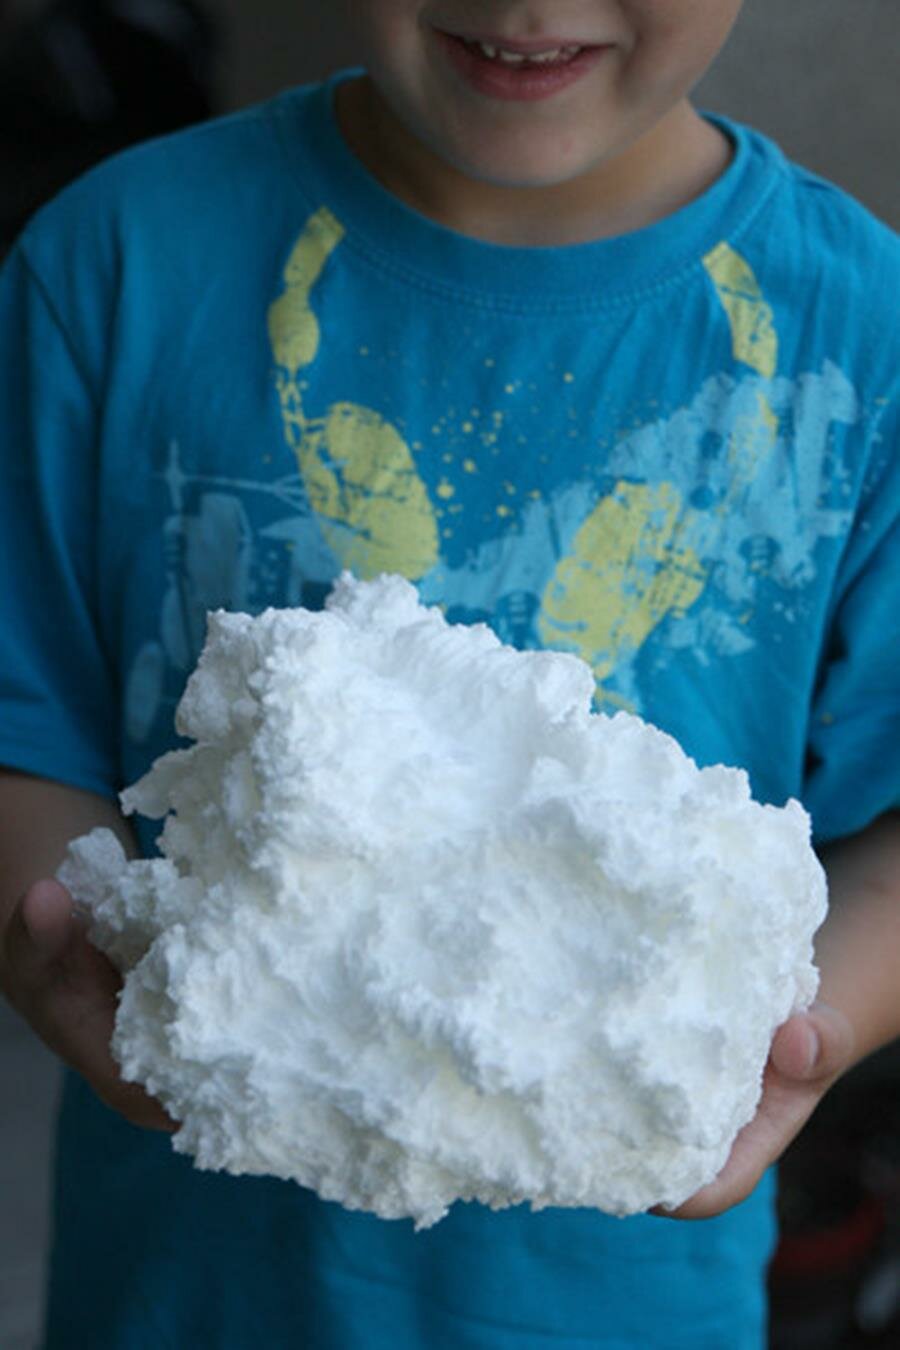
column 509, row 177
column 524, row 170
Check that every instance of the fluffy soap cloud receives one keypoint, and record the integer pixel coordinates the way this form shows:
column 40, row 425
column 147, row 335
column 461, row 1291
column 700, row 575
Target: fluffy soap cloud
column 427, row 929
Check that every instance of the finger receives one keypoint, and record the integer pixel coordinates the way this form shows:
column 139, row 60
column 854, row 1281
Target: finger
column 808, row 1052
column 137, row 1106
column 68, row 991
column 80, row 1027
column 46, row 947
column 752, row 1153
column 38, row 932
column 814, row 1047
column 80, row 1021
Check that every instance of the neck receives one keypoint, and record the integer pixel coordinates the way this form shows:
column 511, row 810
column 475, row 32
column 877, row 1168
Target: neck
column 662, row 171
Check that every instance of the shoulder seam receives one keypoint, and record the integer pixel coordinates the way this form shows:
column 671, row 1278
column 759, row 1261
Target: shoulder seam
column 809, row 181
column 55, row 315
column 277, row 115
column 778, row 178
column 260, row 112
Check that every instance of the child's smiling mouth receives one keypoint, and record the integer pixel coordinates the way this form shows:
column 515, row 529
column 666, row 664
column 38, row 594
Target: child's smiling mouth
column 507, row 53
column 525, row 69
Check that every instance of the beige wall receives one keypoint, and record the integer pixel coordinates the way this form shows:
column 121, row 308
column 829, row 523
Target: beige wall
column 820, row 76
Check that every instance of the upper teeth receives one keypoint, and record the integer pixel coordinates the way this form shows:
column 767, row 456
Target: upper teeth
column 514, row 58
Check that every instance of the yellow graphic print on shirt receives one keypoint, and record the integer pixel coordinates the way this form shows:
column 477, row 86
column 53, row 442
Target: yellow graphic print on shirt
column 753, row 337
column 635, row 561
column 628, row 562
column 628, row 569
column 754, row 341
column 652, row 536
column 359, row 473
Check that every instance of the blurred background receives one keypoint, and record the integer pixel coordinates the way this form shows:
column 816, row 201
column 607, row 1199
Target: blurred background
column 80, row 79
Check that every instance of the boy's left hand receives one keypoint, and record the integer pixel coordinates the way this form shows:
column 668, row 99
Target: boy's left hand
column 809, row 1052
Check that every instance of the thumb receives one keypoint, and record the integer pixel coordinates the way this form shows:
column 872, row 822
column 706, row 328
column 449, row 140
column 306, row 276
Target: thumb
column 814, row 1046
column 48, row 917
column 41, row 929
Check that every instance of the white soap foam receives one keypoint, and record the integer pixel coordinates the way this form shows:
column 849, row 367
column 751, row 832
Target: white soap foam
column 426, row 928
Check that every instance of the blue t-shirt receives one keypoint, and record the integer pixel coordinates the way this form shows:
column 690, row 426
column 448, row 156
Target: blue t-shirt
column 232, row 365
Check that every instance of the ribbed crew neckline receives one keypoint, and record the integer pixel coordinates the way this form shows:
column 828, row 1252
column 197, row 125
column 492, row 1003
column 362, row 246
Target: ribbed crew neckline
column 611, row 271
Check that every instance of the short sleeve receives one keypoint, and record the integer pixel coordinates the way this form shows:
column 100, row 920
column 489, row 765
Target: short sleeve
column 56, row 690
column 854, row 743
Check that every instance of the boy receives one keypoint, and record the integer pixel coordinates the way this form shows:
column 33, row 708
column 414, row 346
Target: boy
column 505, row 315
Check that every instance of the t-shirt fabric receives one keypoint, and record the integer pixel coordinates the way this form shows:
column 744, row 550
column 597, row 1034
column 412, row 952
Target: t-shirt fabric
column 231, row 366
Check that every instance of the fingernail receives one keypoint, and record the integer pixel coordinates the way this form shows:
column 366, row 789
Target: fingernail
column 35, row 912
column 41, row 916
column 812, row 1050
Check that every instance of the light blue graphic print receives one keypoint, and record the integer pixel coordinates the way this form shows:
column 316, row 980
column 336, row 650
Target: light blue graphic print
column 217, row 557
column 687, row 532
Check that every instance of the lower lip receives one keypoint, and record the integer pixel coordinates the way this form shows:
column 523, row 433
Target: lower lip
column 525, row 83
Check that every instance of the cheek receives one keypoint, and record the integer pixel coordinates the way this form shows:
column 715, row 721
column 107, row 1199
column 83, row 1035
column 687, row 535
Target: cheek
column 675, row 41
column 387, row 26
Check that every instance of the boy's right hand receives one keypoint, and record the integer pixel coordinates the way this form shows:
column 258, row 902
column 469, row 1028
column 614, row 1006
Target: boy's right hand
column 66, row 989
